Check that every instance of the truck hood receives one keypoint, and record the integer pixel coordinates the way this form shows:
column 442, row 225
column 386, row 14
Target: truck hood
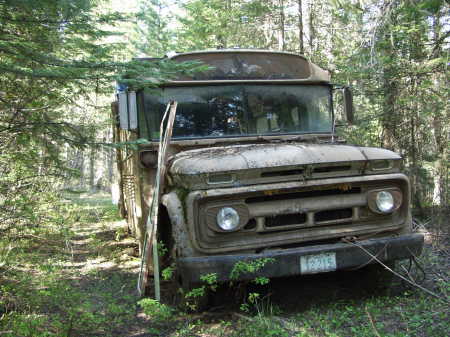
column 258, row 163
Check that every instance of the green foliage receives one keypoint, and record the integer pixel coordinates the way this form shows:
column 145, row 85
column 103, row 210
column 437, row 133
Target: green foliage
column 261, row 326
column 153, row 35
column 222, row 24
column 157, row 311
column 5, row 250
column 40, row 295
column 56, row 62
column 250, row 267
column 252, row 300
column 167, row 273
column 392, row 316
column 45, row 292
column 211, row 280
column 244, row 268
column 193, row 300
column 196, row 292
column 162, row 249
column 133, row 144
column 197, row 297
column 261, row 280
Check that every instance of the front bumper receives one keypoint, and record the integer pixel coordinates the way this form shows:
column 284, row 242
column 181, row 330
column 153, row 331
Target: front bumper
column 286, row 262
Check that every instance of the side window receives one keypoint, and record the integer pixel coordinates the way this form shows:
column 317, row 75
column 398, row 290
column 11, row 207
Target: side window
column 142, row 116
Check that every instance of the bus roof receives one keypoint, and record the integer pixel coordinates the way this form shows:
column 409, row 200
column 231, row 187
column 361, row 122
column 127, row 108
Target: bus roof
column 250, row 65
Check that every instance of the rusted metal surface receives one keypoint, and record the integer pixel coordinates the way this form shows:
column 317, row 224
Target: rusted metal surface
column 248, row 65
column 263, row 156
column 263, row 163
column 252, row 65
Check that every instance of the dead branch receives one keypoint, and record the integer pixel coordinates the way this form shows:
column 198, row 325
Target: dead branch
column 444, row 300
column 244, row 317
column 24, row 236
column 372, row 323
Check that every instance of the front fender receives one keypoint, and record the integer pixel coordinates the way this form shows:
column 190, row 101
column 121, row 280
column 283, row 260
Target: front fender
column 174, row 206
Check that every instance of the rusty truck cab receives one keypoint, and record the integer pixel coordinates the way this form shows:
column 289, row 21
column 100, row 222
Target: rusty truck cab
column 256, row 171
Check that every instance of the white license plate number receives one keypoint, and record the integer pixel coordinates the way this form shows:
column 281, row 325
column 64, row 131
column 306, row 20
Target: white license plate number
column 320, row 263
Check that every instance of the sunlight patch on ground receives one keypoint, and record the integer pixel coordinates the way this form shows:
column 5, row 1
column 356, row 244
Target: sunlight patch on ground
column 95, row 264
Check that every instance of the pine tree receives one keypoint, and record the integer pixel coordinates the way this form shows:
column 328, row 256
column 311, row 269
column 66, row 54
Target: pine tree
column 153, row 34
column 54, row 57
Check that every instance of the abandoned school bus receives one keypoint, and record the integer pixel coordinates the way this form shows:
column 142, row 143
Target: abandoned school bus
column 255, row 170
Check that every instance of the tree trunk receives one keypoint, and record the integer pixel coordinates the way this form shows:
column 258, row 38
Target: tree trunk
column 300, row 27
column 78, row 164
column 440, row 131
column 281, row 34
column 92, row 170
column 311, row 28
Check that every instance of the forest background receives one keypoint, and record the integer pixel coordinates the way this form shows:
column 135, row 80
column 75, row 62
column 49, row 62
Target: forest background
column 59, row 61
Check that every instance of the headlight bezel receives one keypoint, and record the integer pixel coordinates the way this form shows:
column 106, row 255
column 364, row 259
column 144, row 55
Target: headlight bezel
column 212, row 212
column 397, row 196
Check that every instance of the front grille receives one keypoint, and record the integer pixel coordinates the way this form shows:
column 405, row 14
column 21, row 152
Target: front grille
column 281, row 173
column 285, row 220
column 298, row 209
column 302, row 220
column 295, row 213
column 327, row 169
column 334, row 214
column 304, row 194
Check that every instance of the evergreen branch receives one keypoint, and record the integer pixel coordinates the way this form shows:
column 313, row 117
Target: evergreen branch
column 105, row 18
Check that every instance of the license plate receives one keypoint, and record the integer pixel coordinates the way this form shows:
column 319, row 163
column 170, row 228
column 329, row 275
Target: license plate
column 320, row 263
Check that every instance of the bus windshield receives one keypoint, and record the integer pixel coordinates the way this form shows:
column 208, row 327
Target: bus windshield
column 238, row 110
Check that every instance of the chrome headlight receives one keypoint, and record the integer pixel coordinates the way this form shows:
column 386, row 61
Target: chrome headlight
column 227, row 219
column 384, row 201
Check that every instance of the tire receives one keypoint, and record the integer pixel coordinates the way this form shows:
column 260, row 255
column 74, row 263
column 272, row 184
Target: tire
column 377, row 278
column 184, row 301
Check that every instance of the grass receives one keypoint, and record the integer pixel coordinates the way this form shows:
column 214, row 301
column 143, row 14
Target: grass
column 47, row 287
column 72, row 278
column 406, row 315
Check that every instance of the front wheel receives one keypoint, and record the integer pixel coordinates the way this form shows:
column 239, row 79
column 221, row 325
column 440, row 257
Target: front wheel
column 377, row 277
column 191, row 297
